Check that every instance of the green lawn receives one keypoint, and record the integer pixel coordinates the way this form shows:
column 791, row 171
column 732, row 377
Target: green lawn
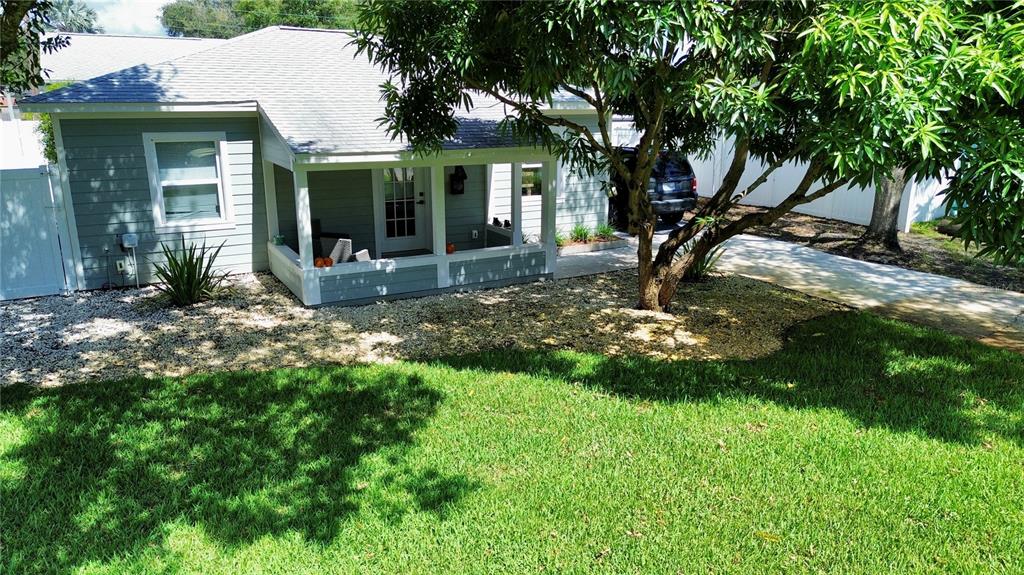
column 954, row 246
column 865, row 445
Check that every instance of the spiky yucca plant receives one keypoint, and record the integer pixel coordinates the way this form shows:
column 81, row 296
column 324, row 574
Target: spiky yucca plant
column 702, row 266
column 189, row 278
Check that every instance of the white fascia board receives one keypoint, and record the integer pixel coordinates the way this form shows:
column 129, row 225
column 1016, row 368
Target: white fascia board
column 273, row 145
column 569, row 110
column 408, row 159
column 98, row 109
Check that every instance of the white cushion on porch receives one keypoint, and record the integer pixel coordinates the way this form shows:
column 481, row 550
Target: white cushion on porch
column 361, row 256
column 339, row 250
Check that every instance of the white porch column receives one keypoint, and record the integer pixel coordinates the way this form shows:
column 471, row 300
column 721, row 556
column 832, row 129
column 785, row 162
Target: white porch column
column 517, row 204
column 304, row 220
column 548, row 197
column 437, row 224
column 270, row 193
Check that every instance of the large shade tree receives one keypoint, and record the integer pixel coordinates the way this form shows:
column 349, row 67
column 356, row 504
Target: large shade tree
column 971, row 72
column 23, row 24
column 229, row 18
column 849, row 90
column 73, row 16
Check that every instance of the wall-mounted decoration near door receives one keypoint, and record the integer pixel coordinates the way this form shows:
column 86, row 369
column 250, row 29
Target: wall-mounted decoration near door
column 457, row 180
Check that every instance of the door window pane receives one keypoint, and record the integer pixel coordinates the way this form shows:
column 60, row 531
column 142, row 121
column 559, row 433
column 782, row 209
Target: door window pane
column 531, row 180
column 399, row 202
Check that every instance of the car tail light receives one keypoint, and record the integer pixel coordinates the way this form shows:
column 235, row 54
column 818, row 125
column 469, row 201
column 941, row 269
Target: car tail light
column 693, row 185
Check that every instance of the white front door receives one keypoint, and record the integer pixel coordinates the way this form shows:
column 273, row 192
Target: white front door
column 404, row 224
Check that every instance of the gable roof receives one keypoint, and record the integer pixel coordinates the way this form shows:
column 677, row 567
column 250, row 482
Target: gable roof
column 317, row 92
column 91, row 55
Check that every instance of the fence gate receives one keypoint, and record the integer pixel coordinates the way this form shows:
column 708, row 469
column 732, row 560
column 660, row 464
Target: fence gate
column 32, row 231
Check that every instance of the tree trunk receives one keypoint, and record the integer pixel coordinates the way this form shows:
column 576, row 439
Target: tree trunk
column 700, row 249
column 648, row 272
column 885, row 214
column 665, row 273
column 10, row 28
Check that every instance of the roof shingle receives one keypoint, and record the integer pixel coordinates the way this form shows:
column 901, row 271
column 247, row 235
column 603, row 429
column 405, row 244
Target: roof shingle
column 91, row 55
column 319, row 94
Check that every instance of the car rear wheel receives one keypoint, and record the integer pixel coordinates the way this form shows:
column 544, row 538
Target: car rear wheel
column 671, row 219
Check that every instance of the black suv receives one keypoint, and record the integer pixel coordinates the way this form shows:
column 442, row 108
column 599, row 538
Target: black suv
column 672, row 189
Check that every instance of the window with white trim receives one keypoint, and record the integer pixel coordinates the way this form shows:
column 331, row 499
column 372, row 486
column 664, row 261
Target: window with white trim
column 188, row 179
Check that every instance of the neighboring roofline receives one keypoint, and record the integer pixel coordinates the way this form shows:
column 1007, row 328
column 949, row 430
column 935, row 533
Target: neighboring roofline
column 584, row 110
column 302, row 29
column 100, row 108
column 217, row 47
column 175, row 59
column 137, row 36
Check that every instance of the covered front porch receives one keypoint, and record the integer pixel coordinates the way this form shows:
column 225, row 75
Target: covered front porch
column 405, row 226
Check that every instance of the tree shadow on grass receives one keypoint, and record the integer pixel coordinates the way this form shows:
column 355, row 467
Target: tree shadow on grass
column 882, row 373
column 102, row 468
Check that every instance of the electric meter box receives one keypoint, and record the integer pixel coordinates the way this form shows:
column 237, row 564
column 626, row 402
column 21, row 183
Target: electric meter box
column 129, row 241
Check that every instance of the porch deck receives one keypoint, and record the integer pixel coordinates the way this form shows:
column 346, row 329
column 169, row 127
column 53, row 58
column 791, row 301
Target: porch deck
column 422, row 231
column 362, row 282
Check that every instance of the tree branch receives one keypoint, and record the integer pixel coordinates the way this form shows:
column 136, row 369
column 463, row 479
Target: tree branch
column 686, row 232
column 10, row 25
column 761, row 179
column 532, row 111
column 797, row 198
column 732, row 175
column 602, row 116
column 580, row 94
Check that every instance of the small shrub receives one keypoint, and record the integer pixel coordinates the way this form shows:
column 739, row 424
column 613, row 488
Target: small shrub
column 701, row 267
column 580, row 233
column 45, row 128
column 45, row 132
column 605, row 231
column 189, row 278
column 560, row 238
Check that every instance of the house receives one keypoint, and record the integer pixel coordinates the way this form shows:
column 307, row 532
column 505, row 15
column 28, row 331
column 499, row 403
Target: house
column 270, row 143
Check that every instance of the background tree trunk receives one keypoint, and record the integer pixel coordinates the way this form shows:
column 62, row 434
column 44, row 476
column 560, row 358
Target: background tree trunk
column 885, row 213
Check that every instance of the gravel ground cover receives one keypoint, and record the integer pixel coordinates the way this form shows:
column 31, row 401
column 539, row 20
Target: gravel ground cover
column 257, row 324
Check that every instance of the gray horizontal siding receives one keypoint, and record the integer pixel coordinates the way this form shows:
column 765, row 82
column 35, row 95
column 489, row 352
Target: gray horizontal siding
column 580, row 199
column 500, row 268
column 343, row 201
column 109, row 189
column 581, row 196
column 377, row 283
column 466, row 213
column 284, row 189
column 501, row 202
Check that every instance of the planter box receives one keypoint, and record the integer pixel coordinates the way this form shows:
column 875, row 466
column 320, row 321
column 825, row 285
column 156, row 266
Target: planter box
column 595, row 246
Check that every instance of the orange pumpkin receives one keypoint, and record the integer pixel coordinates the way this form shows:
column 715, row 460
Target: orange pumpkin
column 328, row 262
column 318, row 263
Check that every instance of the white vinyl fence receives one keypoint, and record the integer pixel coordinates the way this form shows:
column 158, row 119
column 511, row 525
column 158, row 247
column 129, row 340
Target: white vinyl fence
column 921, row 201
column 34, row 239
